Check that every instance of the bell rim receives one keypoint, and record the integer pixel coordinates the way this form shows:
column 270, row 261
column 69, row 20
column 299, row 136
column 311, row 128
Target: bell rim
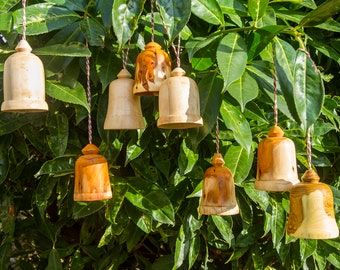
column 276, row 185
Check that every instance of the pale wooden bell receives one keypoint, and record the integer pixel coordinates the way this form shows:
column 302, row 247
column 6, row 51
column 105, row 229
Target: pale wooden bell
column 276, row 165
column 153, row 66
column 92, row 181
column 179, row 103
column 124, row 110
column 311, row 209
column 218, row 192
column 24, row 81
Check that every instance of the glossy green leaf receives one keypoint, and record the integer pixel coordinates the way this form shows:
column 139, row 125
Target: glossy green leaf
column 5, row 21
column 194, row 250
column 150, row 198
column 4, row 158
column 105, row 9
column 307, row 248
column 235, row 121
column 196, row 44
column 73, row 50
column 244, row 90
column 57, row 125
column 54, row 260
column 209, row 11
column 233, row 7
column 308, row 90
column 58, row 166
column 175, row 14
column 278, row 222
column 322, row 13
column 12, row 122
column 186, row 159
column 44, row 18
column 125, row 15
column 224, row 226
column 231, row 57
column 84, row 209
column 93, row 31
column 43, row 193
column 7, row 5
column 257, row 8
column 239, row 162
column 75, row 95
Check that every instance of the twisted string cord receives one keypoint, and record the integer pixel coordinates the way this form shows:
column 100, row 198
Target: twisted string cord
column 125, row 54
column 88, row 92
column 152, row 22
column 217, row 135
column 309, row 149
column 24, row 21
column 276, row 111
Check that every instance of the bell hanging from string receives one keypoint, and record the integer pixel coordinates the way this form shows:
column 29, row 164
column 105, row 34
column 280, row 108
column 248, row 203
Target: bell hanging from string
column 24, row 81
column 179, row 103
column 218, row 191
column 124, row 108
column 311, row 209
column 92, row 181
column 153, row 66
column 276, row 165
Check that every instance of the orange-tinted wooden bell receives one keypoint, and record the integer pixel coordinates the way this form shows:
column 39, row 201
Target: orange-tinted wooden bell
column 24, row 81
column 179, row 103
column 311, row 209
column 124, row 110
column 218, row 192
column 276, row 162
column 153, row 66
column 92, row 181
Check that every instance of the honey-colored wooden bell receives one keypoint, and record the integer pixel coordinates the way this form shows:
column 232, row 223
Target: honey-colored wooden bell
column 92, row 181
column 311, row 209
column 218, row 192
column 276, row 164
column 24, row 81
column 179, row 103
column 153, row 66
column 124, row 110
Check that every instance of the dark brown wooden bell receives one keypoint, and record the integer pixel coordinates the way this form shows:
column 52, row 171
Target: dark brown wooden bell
column 153, row 66
column 92, row 181
column 218, row 192
column 179, row 103
column 24, row 82
column 276, row 162
column 311, row 209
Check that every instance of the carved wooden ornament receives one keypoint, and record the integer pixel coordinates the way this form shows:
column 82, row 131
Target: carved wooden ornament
column 124, row 110
column 24, row 81
column 276, row 165
column 218, row 192
column 311, row 209
column 153, row 66
column 92, row 182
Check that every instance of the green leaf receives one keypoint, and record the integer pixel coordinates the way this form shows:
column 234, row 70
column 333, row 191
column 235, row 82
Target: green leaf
column 94, row 32
column 125, row 16
column 194, row 250
column 43, row 193
column 5, row 21
column 11, row 122
column 150, row 198
column 54, row 260
column 257, row 8
column 7, row 5
column 208, row 11
column 278, row 222
column 58, row 166
column 307, row 248
column 322, row 13
column 193, row 45
column 236, row 121
column 233, row 7
column 75, row 95
column 244, row 90
column 308, row 90
column 231, row 57
column 186, row 159
column 44, row 18
column 73, row 50
column 239, row 162
column 57, row 125
column 105, row 8
column 224, row 226
column 84, row 209
column 4, row 157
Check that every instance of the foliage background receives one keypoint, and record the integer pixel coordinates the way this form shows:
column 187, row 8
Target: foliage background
column 152, row 222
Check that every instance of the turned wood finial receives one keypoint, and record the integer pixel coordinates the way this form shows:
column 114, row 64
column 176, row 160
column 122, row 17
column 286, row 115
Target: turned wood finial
column 310, row 176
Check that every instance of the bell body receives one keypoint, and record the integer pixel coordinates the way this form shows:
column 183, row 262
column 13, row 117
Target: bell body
column 218, row 192
column 24, row 81
column 311, row 209
column 124, row 110
column 153, row 66
column 276, row 166
column 92, row 182
column 179, row 103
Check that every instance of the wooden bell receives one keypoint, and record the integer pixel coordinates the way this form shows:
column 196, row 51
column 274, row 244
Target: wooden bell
column 124, row 109
column 276, row 165
column 179, row 103
column 24, row 81
column 92, row 182
column 311, row 209
column 218, row 192
column 153, row 66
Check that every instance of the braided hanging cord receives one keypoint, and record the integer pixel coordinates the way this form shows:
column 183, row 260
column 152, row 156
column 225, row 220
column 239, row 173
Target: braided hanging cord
column 217, row 135
column 275, row 92
column 125, row 54
column 152, row 22
column 24, row 22
column 88, row 92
